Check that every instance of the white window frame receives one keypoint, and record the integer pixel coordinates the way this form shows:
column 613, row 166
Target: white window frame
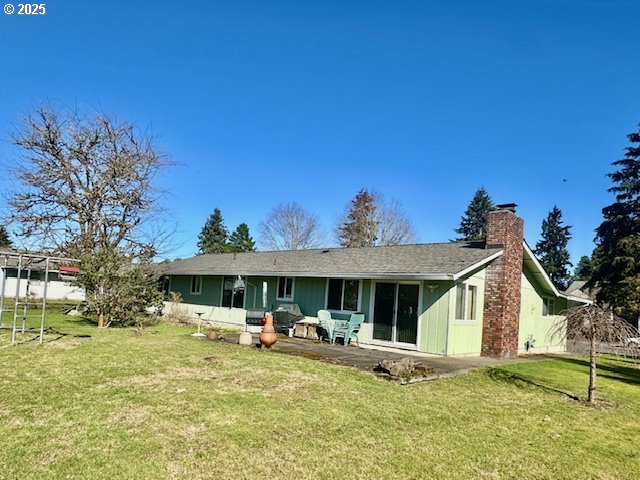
column 198, row 283
column 326, row 296
column 293, row 289
column 465, row 297
column 551, row 302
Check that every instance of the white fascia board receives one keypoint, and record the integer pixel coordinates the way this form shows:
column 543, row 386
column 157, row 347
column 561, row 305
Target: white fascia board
column 475, row 266
column 547, row 280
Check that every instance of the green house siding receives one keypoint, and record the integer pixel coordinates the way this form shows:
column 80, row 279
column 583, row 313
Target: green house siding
column 309, row 294
column 532, row 323
column 253, row 292
column 434, row 317
column 210, row 291
column 465, row 337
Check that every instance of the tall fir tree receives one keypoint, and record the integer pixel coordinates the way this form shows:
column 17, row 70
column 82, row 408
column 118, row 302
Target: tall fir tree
column 214, row 234
column 5, row 241
column 361, row 225
column 241, row 240
column 473, row 225
column 584, row 269
column 616, row 259
column 552, row 251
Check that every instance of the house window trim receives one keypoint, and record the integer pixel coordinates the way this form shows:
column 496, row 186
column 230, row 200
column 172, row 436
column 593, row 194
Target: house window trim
column 466, row 284
column 293, row 289
column 553, row 305
column 326, row 296
column 199, row 291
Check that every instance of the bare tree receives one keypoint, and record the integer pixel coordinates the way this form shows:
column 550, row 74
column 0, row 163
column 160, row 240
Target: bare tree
column 394, row 227
column 370, row 219
column 85, row 183
column 288, row 226
column 590, row 326
column 85, row 187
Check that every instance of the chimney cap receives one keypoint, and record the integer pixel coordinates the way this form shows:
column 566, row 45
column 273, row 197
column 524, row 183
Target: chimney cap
column 507, row 206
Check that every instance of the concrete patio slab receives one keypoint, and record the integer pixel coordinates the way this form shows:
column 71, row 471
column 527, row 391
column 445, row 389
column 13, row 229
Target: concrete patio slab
column 367, row 358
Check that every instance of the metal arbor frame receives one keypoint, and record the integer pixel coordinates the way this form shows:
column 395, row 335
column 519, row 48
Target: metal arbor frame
column 25, row 261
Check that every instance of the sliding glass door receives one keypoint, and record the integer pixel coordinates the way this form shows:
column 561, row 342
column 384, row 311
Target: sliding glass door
column 395, row 312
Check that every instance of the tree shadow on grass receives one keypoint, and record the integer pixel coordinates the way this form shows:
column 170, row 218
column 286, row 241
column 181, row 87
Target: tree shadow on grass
column 83, row 321
column 625, row 374
column 518, row 380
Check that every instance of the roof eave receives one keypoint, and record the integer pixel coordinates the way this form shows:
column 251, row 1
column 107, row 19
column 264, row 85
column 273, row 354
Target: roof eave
column 477, row 265
column 373, row 276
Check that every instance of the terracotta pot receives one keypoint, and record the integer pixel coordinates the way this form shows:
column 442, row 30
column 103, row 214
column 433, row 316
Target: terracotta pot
column 268, row 336
column 213, row 335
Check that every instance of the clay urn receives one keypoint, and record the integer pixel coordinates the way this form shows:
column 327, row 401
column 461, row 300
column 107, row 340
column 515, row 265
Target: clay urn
column 213, row 335
column 268, row 336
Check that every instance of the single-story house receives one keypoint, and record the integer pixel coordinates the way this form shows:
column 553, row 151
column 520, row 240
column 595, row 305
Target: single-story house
column 488, row 298
column 32, row 277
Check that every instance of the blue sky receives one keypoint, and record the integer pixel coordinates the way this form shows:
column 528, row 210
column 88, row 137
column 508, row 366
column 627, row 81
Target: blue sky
column 271, row 101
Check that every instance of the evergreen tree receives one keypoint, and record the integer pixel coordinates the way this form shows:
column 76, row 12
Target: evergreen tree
column 473, row 225
column 361, row 225
column 584, row 269
column 213, row 237
column 5, row 242
column 616, row 258
column 552, row 251
column 240, row 240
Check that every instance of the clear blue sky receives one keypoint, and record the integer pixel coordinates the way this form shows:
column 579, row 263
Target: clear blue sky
column 270, row 101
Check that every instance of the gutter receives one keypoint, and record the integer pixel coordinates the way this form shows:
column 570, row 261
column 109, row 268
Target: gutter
column 373, row 276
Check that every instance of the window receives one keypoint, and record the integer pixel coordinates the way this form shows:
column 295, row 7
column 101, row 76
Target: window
column 343, row 295
column 232, row 292
column 472, row 295
column 466, row 302
column 196, row 285
column 285, row 288
column 547, row 307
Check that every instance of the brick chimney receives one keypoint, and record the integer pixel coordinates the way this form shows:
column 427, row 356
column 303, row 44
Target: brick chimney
column 501, row 316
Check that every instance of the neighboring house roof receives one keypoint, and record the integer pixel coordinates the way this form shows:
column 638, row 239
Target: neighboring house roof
column 576, row 285
column 576, row 290
column 432, row 261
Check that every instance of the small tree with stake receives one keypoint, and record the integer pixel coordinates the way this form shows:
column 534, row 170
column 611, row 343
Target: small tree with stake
column 593, row 326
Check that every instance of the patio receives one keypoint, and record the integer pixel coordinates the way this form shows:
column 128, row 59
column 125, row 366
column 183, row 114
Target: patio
column 367, row 358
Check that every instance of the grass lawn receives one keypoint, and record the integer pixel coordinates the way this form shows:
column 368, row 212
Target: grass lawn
column 165, row 405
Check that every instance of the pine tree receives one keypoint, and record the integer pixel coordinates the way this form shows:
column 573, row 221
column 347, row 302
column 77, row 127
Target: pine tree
column 5, row 241
column 617, row 255
column 473, row 225
column 213, row 237
column 552, row 251
column 241, row 240
column 584, row 269
column 361, row 226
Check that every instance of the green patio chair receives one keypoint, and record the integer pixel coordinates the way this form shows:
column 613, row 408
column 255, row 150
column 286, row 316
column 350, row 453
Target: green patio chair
column 349, row 329
column 326, row 323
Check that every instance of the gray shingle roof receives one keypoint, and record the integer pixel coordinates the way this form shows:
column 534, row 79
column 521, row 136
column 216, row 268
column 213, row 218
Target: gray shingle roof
column 422, row 260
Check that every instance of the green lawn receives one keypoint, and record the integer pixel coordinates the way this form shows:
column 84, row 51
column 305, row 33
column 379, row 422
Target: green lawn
column 164, row 405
